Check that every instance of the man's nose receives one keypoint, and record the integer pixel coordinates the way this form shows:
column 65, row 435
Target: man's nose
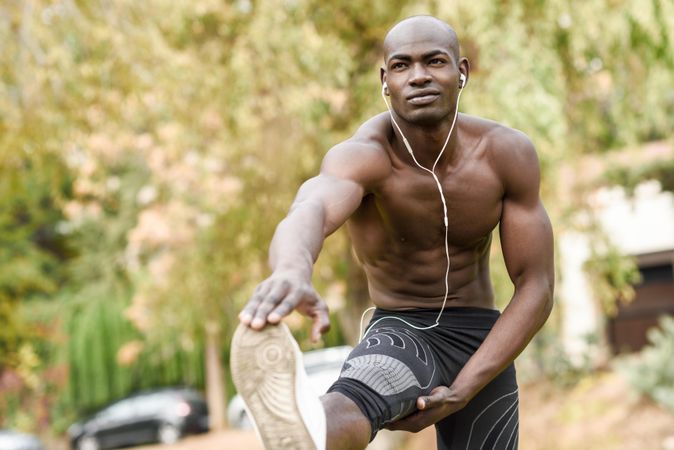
column 419, row 75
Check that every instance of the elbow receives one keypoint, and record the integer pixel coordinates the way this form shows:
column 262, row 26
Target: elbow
column 548, row 301
column 539, row 294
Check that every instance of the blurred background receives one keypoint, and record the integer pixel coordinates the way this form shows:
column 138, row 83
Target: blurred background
column 148, row 149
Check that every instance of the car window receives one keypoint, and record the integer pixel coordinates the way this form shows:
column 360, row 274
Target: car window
column 153, row 403
column 119, row 410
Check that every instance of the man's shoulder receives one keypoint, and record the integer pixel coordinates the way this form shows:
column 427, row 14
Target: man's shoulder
column 512, row 154
column 508, row 149
column 369, row 141
column 363, row 155
column 374, row 133
column 500, row 139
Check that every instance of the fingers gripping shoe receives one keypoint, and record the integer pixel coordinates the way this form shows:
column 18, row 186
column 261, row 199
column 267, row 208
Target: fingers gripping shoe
column 269, row 375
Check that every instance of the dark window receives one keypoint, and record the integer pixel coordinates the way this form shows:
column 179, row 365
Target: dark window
column 657, row 274
column 654, row 297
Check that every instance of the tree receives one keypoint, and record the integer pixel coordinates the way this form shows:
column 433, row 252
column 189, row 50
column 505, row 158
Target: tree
column 185, row 127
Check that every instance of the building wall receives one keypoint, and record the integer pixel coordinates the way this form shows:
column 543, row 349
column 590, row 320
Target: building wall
column 637, row 225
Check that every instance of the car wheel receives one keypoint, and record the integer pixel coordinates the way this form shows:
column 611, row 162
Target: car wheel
column 168, row 434
column 88, row 443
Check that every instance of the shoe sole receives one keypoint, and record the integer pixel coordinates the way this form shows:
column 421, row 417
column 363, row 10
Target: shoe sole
column 264, row 372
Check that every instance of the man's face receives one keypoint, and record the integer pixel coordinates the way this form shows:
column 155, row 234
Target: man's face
column 422, row 74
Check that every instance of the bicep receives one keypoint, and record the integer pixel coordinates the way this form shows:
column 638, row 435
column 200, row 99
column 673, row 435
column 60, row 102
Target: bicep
column 527, row 243
column 526, row 231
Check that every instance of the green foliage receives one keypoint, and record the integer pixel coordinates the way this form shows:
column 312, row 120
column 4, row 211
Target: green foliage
column 545, row 357
column 35, row 379
column 97, row 332
column 613, row 275
column 651, row 373
column 148, row 149
column 630, row 177
column 32, row 250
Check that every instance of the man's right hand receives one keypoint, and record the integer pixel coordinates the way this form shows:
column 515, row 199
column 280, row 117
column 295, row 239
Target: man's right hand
column 278, row 296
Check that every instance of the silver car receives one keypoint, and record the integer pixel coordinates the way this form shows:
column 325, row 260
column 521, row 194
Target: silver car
column 13, row 440
column 323, row 368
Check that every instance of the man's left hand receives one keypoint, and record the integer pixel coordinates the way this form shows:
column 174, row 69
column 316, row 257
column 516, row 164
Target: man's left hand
column 432, row 408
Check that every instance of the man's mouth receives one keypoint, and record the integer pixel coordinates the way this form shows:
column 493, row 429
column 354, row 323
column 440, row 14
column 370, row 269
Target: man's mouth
column 423, row 97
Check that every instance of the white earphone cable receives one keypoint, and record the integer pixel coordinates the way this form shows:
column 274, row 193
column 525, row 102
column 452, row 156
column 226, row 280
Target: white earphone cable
column 444, row 213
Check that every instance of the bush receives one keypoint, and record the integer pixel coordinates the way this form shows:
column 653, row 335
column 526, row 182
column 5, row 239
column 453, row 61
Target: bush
column 651, row 373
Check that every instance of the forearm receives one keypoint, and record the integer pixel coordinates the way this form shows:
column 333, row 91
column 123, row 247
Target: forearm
column 523, row 317
column 298, row 239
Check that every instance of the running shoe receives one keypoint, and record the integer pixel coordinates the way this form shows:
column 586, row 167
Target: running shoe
column 269, row 375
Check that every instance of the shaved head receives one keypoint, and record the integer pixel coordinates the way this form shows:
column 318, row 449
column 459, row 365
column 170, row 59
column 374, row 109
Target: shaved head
column 417, row 28
column 423, row 71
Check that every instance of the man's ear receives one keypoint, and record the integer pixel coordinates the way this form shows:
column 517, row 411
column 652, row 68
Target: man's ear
column 382, row 78
column 464, row 68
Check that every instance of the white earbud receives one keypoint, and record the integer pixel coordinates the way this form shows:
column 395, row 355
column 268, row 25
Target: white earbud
column 462, row 81
column 384, row 86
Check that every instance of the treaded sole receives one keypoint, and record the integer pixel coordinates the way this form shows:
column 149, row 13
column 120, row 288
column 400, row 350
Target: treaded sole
column 263, row 370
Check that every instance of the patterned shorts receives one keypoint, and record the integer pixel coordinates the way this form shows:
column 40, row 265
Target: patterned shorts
column 395, row 363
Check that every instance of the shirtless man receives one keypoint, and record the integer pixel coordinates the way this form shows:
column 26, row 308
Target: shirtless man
column 437, row 351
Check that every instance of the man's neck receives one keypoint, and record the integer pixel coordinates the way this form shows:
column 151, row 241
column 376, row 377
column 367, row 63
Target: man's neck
column 427, row 141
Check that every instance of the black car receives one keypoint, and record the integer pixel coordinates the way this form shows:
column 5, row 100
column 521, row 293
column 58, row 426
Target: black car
column 153, row 416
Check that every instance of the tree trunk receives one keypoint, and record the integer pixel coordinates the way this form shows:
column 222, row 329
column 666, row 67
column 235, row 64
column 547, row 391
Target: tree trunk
column 215, row 386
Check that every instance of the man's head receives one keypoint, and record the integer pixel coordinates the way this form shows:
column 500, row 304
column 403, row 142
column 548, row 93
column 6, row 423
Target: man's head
column 422, row 68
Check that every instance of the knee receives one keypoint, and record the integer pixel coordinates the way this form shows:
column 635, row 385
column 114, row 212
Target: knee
column 347, row 426
column 387, row 375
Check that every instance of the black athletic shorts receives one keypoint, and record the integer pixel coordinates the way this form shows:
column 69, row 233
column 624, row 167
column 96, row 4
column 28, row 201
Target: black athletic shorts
column 395, row 363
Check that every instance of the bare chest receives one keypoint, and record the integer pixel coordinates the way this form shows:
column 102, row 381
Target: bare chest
column 407, row 207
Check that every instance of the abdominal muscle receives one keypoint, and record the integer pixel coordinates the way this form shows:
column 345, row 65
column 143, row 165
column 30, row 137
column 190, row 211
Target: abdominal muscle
column 405, row 260
column 404, row 283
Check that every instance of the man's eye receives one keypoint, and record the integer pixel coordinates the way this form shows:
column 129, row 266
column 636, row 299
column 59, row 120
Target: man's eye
column 437, row 61
column 397, row 65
